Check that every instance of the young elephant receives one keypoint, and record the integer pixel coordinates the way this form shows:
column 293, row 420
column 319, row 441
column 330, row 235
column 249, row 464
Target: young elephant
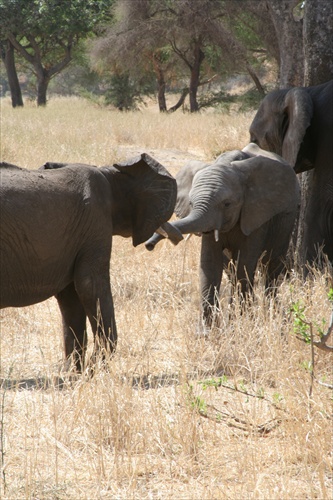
column 57, row 225
column 246, row 202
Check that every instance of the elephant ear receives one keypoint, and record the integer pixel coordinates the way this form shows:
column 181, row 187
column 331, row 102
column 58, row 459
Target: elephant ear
column 152, row 193
column 271, row 187
column 299, row 111
column 184, row 180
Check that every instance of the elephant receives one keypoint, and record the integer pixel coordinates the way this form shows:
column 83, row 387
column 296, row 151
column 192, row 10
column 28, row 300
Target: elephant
column 296, row 123
column 10, row 166
column 241, row 204
column 57, row 224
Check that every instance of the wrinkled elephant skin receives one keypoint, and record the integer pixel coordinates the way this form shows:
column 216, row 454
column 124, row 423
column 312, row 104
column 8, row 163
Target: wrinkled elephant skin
column 245, row 202
column 57, row 225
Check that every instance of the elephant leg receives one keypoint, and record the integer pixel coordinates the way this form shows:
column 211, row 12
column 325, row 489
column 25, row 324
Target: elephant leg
column 92, row 283
column 246, row 263
column 74, row 325
column 211, row 269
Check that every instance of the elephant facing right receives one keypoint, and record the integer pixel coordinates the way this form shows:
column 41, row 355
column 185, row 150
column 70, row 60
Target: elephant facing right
column 245, row 202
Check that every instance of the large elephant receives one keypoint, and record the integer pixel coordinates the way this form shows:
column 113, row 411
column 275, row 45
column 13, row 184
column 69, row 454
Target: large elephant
column 242, row 204
column 57, row 225
column 297, row 124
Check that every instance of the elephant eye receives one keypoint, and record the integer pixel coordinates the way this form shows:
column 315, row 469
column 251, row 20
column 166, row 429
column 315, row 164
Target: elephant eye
column 227, row 203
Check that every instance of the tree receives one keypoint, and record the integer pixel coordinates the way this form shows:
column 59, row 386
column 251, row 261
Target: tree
column 173, row 36
column 8, row 59
column 44, row 32
column 134, row 44
column 288, row 26
column 318, row 41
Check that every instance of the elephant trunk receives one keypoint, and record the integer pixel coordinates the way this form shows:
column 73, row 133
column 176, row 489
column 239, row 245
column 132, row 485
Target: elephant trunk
column 152, row 242
column 190, row 224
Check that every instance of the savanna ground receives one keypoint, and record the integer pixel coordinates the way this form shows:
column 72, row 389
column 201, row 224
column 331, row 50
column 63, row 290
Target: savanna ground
column 178, row 415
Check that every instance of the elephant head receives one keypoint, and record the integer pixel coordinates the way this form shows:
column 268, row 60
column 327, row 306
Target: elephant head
column 150, row 192
column 297, row 123
column 281, row 123
column 240, row 187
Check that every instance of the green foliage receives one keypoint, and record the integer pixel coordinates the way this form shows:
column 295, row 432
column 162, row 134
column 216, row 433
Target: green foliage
column 249, row 100
column 199, row 404
column 52, row 18
column 277, row 398
column 223, row 101
column 301, row 327
column 330, row 295
column 125, row 93
column 214, row 382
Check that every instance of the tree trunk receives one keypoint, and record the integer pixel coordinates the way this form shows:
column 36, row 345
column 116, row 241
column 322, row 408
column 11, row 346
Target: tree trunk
column 35, row 59
column 305, row 179
column 290, row 39
column 160, row 82
column 255, row 78
column 161, row 96
column 318, row 42
column 180, row 101
column 8, row 58
column 42, row 84
column 195, row 76
column 318, row 68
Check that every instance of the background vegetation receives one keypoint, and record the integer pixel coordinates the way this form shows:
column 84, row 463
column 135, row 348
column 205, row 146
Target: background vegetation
column 123, row 51
column 178, row 415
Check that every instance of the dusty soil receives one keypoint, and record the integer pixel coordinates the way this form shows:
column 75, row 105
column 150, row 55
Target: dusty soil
column 172, row 159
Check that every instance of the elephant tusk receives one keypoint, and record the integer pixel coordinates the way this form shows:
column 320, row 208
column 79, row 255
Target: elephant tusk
column 216, row 235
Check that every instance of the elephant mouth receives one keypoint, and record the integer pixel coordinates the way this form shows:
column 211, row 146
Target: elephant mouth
column 215, row 231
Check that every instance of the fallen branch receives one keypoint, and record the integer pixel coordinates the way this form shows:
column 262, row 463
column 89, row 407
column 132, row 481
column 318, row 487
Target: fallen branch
column 238, row 423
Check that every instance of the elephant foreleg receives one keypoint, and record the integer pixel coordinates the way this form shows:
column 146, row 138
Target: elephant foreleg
column 74, row 325
column 246, row 262
column 95, row 294
column 211, row 269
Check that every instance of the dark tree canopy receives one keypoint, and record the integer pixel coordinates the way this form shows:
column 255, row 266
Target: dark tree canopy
column 190, row 37
column 44, row 32
column 178, row 44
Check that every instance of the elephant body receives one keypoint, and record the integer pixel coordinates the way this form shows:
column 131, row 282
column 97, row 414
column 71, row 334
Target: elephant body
column 297, row 124
column 57, row 225
column 238, row 204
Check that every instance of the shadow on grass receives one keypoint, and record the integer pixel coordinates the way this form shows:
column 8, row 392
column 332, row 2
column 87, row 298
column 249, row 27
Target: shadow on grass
column 145, row 382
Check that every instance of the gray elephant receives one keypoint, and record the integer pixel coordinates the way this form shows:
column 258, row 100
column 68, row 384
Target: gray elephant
column 242, row 204
column 57, row 225
column 297, row 124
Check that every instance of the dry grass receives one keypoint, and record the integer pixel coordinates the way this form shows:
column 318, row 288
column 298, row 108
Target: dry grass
column 158, row 425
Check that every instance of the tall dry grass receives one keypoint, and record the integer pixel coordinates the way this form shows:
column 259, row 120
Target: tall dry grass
column 177, row 415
